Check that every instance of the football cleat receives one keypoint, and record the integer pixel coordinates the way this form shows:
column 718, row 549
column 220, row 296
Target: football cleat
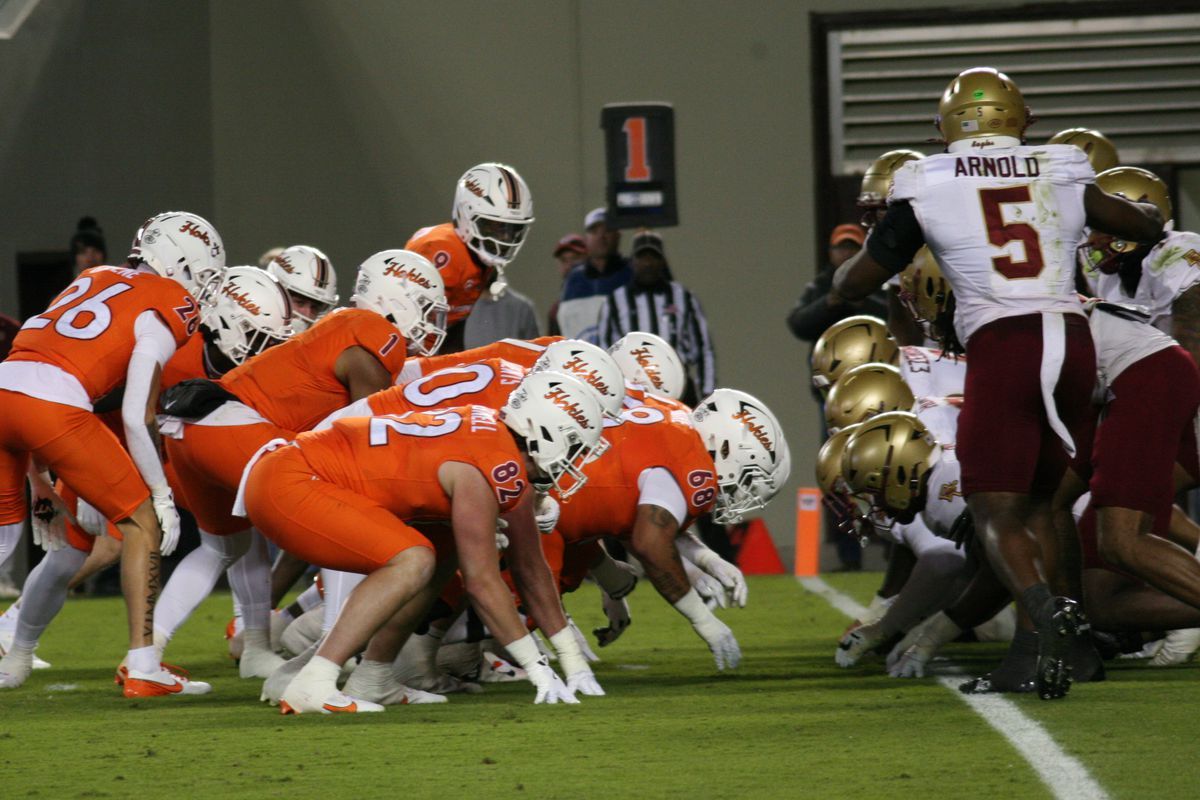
column 6, row 643
column 233, row 635
column 15, row 668
column 495, row 669
column 162, row 682
column 336, row 703
column 1055, row 644
column 390, row 693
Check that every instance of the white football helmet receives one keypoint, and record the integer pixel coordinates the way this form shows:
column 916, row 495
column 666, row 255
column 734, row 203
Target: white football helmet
column 492, row 212
column 650, row 360
column 409, row 292
column 592, row 366
column 250, row 312
column 306, row 271
column 748, row 449
column 182, row 246
column 561, row 421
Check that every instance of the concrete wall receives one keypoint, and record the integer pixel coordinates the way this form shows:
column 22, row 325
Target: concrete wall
column 104, row 110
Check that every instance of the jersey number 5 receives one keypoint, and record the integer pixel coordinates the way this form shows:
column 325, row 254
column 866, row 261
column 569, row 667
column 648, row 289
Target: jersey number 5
column 1001, row 233
column 79, row 320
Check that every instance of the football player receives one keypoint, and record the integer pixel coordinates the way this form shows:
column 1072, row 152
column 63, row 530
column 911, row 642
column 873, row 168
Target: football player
column 1101, row 152
column 490, row 220
column 399, row 308
column 341, row 497
column 250, row 312
column 310, row 281
column 846, row 344
column 112, row 325
column 1031, row 362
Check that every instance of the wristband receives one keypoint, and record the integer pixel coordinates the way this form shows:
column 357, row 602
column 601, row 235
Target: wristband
column 525, row 652
column 569, row 656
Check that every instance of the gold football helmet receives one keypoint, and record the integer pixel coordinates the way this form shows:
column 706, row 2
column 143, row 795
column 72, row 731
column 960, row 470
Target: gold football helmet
column 863, row 392
column 852, row 341
column 982, row 102
column 887, row 460
column 1102, row 251
column 924, row 291
column 829, row 477
column 877, row 182
column 1100, row 150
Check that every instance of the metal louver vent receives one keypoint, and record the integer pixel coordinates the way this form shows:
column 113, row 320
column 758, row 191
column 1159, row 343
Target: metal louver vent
column 1135, row 79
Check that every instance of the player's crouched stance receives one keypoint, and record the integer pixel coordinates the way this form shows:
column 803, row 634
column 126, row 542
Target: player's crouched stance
column 340, row 498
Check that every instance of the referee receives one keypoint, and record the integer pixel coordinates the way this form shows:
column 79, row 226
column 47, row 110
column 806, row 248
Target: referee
column 655, row 303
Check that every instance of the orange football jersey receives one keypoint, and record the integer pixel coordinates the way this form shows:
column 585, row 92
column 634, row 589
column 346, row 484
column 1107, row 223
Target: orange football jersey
column 186, row 364
column 293, row 384
column 646, row 437
column 483, row 383
column 637, row 396
column 521, row 352
column 88, row 330
column 464, row 277
column 394, row 460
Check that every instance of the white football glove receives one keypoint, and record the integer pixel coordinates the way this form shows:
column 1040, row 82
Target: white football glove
column 617, row 612
column 709, row 588
column 550, row 687
column 168, row 518
column 545, row 513
column 584, row 648
column 501, row 536
column 918, row 647
column 721, row 642
column 730, row 577
column 47, row 513
column 584, row 682
column 856, row 643
column 90, row 518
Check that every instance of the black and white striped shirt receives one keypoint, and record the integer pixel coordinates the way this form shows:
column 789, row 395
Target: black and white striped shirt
column 671, row 312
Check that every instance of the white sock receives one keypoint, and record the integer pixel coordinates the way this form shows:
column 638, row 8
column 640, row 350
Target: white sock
column 45, row 593
column 310, row 598
column 321, row 669
column 457, row 632
column 8, row 620
column 373, row 673
column 250, row 580
column 10, row 536
column 338, row 586
column 256, row 639
column 143, row 659
column 194, row 579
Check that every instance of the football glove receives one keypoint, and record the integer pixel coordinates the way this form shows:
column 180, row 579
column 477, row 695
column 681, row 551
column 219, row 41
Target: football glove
column 730, row 576
column 168, row 518
column 90, row 518
column 856, row 643
column 545, row 513
column 48, row 514
column 709, row 588
column 550, row 687
column 617, row 612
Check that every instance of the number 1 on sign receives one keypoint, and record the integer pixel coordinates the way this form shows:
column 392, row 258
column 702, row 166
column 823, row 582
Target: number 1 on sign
column 637, row 167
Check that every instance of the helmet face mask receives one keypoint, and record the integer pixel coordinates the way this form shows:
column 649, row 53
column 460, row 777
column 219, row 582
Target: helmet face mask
column 886, row 462
column 877, row 184
column 492, row 213
column 924, row 290
column 1106, row 253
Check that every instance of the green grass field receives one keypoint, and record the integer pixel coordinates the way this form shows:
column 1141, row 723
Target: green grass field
column 788, row 723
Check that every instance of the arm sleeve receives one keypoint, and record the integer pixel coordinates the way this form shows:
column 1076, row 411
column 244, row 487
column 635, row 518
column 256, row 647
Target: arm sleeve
column 897, row 237
column 154, row 345
column 657, row 487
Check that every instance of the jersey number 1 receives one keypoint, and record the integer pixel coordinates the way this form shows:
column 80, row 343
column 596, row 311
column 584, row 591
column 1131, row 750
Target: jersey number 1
column 1001, row 233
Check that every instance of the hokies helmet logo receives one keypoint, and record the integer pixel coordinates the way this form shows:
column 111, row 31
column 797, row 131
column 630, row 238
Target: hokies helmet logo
column 560, row 398
column 644, row 360
column 577, row 367
column 474, row 187
column 285, row 264
column 746, row 416
column 239, row 296
column 402, row 272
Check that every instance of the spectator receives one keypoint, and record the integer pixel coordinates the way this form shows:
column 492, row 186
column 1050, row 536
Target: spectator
column 816, row 311
column 503, row 314
column 589, row 282
column 655, row 303
column 87, row 245
column 569, row 251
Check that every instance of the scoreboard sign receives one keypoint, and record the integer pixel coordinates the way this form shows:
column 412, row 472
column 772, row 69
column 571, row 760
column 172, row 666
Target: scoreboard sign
column 639, row 146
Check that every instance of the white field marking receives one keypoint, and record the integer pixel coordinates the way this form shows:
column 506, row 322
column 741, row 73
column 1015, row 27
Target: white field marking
column 1063, row 774
column 62, row 687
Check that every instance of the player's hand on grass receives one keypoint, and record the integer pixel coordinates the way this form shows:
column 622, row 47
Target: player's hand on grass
column 911, row 664
column 856, row 643
column 617, row 612
column 721, row 642
column 584, row 682
column 550, row 687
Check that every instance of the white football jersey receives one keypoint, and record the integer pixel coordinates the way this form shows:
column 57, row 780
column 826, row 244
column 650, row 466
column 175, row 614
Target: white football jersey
column 1003, row 223
column 1168, row 270
column 1122, row 342
column 928, row 373
column 940, row 416
column 945, row 501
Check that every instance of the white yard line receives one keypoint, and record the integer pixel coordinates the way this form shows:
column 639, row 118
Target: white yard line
column 1064, row 775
